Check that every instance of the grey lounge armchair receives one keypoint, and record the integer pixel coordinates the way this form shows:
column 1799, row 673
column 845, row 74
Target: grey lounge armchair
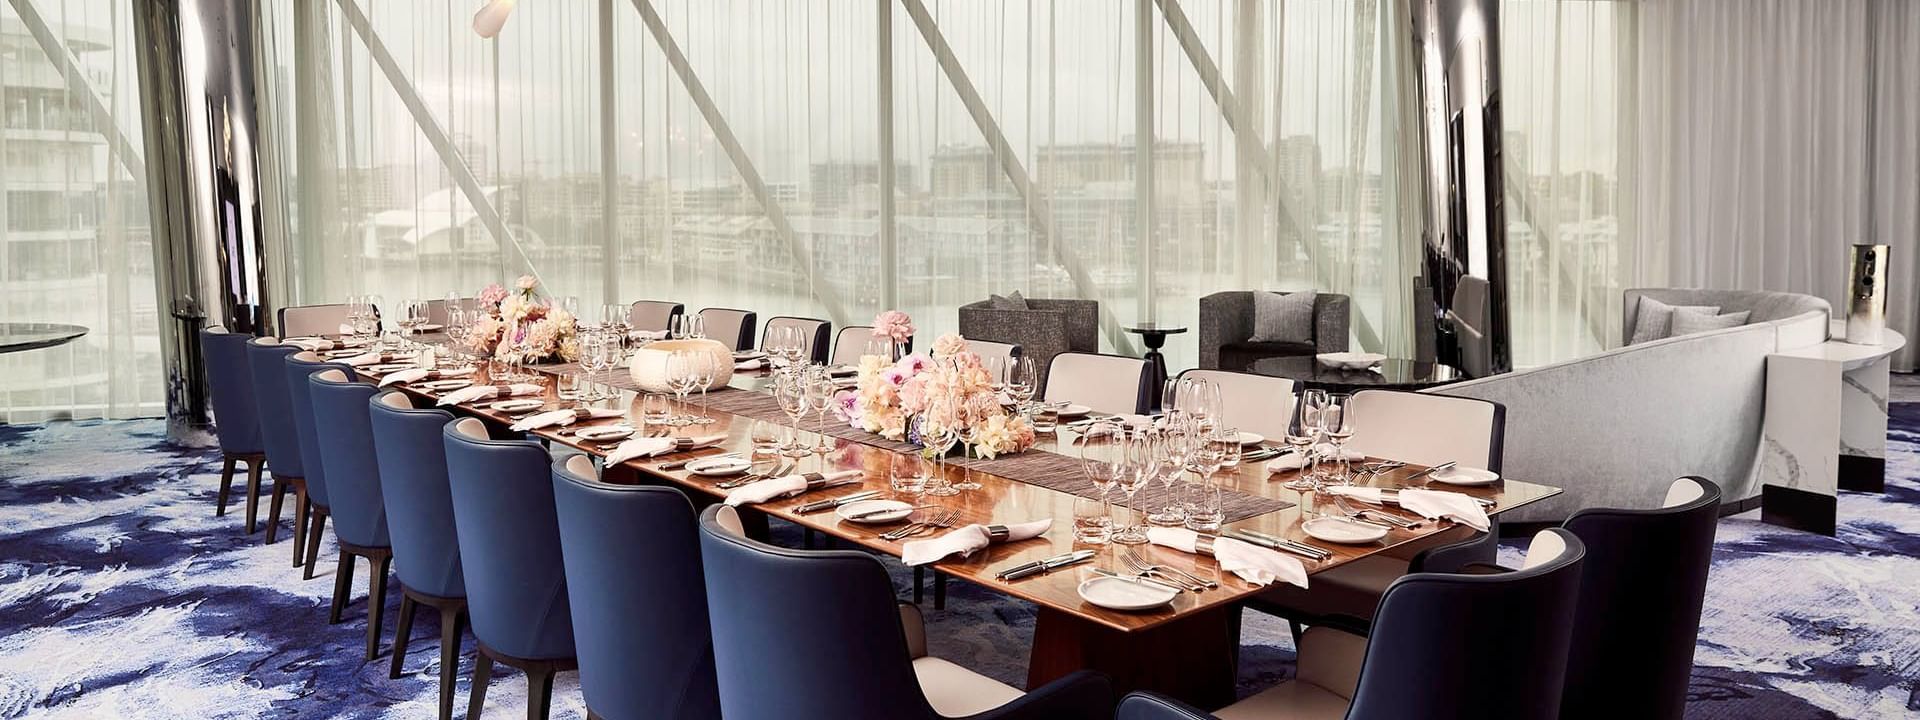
column 1047, row 328
column 1226, row 330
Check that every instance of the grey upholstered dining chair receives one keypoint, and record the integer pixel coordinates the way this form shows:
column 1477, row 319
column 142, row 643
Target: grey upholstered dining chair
column 1043, row 329
column 1253, row 403
column 653, row 315
column 1106, row 383
column 1227, row 330
column 314, row 319
column 819, row 333
column 730, row 327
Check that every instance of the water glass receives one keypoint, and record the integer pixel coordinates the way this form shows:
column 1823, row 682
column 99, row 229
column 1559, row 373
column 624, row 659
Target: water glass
column 1204, row 510
column 655, row 410
column 765, row 437
column 1092, row 522
column 906, row 475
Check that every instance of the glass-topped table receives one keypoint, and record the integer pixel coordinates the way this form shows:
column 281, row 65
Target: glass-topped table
column 20, row 337
column 1391, row 373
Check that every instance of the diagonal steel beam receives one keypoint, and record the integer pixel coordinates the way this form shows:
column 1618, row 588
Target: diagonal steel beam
column 1249, row 144
column 436, row 135
column 77, row 84
column 802, row 255
column 1039, row 213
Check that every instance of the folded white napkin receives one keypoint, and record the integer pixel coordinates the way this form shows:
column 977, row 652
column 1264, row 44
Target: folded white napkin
column 769, row 489
column 483, row 392
column 754, row 364
column 965, row 541
column 652, row 446
column 407, row 376
column 1433, row 504
column 311, row 344
column 561, row 417
column 1252, row 563
column 1295, row 460
column 365, row 359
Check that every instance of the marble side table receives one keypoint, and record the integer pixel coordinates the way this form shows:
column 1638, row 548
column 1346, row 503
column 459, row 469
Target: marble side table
column 1826, row 428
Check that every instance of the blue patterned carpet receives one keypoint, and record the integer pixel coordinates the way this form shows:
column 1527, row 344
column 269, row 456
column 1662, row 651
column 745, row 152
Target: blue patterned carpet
column 122, row 596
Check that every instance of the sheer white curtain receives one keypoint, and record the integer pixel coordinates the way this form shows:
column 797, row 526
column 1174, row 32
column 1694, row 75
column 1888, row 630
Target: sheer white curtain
column 76, row 247
column 1771, row 136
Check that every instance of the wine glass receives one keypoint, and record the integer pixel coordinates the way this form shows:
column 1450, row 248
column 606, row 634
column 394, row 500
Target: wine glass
column 1337, row 422
column 938, row 440
column 1022, row 380
column 820, row 392
column 681, row 379
column 1134, row 469
column 789, row 389
column 706, row 369
column 1300, row 438
column 1201, row 399
column 1097, row 449
column 1170, row 462
column 1312, row 404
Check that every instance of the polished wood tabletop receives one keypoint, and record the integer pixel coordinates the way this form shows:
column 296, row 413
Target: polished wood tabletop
column 998, row 501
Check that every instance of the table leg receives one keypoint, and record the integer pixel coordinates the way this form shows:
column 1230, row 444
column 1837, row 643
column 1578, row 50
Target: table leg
column 1194, row 659
column 1863, row 427
column 1800, row 440
column 1158, row 363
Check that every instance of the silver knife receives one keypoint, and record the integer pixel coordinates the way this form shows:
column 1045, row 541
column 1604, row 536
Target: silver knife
column 1275, row 543
column 835, row 502
column 1057, row 561
column 1448, row 465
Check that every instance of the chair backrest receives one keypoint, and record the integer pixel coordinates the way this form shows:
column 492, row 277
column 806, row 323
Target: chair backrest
column 1457, row 646
column 298, row 367
column 413, row 484
column 1428, row 429
column 437, row 309
column 266, row 363
column 1253, row 403
column 345, row 432
column 509, row 543
column 1642, row 587
column 990, row 349
column 235, row 414
column 1106, row 383
column 1148, row 706
column 313, row 319
column 730, row 327
column 850, row 344
column 653, row 315
column 633, row 575
column 761, row 597
column 820, row 333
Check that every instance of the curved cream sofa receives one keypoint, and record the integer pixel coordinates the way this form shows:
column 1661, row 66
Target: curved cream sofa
column 1615, row 429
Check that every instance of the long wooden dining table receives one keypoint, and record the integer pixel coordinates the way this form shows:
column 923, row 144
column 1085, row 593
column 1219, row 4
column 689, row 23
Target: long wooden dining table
column 1187, row 649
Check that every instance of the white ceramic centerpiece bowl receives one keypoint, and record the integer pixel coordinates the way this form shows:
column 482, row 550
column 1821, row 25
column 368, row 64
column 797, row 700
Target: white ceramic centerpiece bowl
column 648, row 365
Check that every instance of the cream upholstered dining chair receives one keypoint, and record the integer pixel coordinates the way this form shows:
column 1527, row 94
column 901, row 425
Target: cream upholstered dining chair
column 314, row 319
column 729, row 327
column 1106, row 383
column 851, row 343
column 1411, row 427
column 990, row 349
column 437, row 309
column 1253, row 403
column 818, row 333
column 653, row 315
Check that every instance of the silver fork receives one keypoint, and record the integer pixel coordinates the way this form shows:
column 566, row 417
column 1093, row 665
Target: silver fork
column 1160, row 571
column 1371, row 517
column 756, row 477
column 937, row 519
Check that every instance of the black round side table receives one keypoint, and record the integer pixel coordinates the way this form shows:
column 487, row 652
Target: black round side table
column 1392, row 373
column 1154, row 336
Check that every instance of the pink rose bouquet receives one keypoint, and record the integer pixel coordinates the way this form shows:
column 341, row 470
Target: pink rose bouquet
column 893, row 325
column 952, row 390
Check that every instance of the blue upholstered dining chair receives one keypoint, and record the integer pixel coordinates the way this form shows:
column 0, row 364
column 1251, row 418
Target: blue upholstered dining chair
column 412, row 458
column 236, row 416
column 633, row 576
column 1443, row 646
column 266, row 364
column 319, row 502
column 1419, row 428
column 510, row 554
column 345, row 432
column 803, row 634
column 1642, row 586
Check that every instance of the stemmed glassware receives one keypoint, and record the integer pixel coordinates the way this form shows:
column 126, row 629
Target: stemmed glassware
column 1170, row 462
column 682, row 376
column 1201, row 400
column 1022, row 379
column 706, row 369
column 790, row 390
column 1313, row 404
column 820, row 391
column 1098, row 450
column 938, row 440
column 1300, row 437
column 1338, row 424
column 1206, row 460
column 592, row 354
column 1135, row 469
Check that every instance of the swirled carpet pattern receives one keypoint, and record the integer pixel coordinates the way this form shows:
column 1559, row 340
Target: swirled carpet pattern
column 122, row 595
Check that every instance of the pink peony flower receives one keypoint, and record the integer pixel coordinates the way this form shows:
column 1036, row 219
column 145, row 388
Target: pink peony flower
column 491, row 295
column 526, row 283
column 949, row 345
column 893, row 325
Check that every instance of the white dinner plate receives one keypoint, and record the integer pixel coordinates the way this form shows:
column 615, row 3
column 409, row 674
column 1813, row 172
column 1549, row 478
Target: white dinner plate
column 895, row 511
column 1458, row 475
column 1342, row 530
column 343, row 353
column 445, row 385
column 1247, row 438
column 1073, row 411
column 429, row 327
column 1115, row 593
column 514, row 406
column 603, row 433
column 719, row 466
column 389, row 367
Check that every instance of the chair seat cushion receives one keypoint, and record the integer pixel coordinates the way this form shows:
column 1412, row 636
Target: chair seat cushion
column 1237, row 356
column 1290, row 700
column 954, row 691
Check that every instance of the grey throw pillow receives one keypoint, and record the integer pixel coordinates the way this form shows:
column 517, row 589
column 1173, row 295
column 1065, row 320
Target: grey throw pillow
column 1009, row 301
column 1688, row 322
column 1281, row 317
column 1654, row 319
